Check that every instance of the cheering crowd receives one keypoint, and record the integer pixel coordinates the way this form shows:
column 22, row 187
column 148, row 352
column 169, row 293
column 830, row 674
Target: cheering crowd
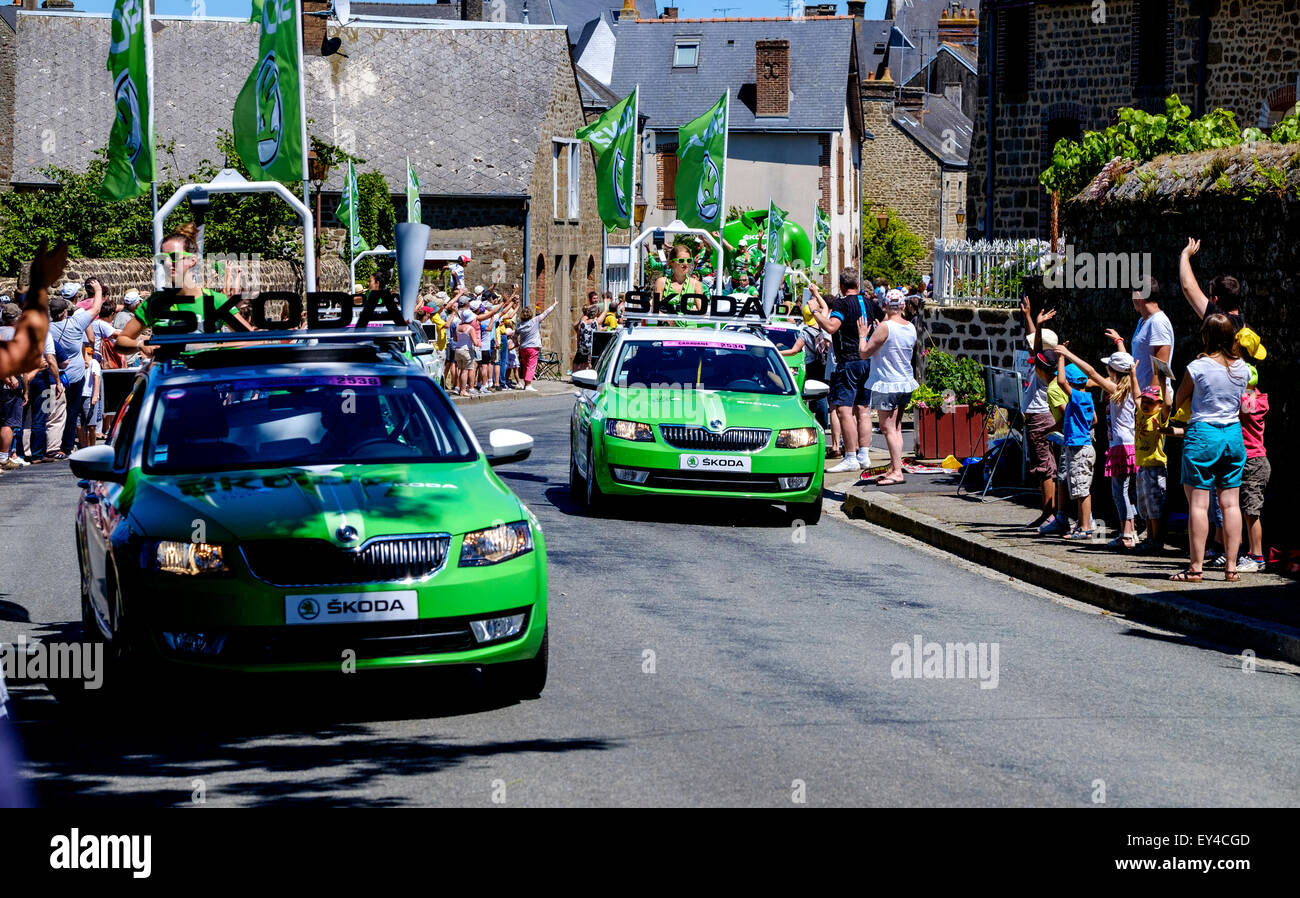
column 1217, row 411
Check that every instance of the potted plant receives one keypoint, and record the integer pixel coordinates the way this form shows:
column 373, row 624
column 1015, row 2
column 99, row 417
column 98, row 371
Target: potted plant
column 949, row 408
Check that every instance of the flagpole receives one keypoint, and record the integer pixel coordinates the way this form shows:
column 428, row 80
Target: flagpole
column 636, row 129
column 308, row 233
column 722, row 199
column 153, row 149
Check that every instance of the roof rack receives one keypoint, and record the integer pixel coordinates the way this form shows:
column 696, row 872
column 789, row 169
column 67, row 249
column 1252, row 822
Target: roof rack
column 635, row 318
column 342, row 334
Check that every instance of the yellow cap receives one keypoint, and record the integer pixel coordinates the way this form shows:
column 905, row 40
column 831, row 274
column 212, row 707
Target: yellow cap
column 1248, row 340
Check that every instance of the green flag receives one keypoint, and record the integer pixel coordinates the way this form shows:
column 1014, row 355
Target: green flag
column 412, row 193
column 821, row 240
column 268, row 115
column 614, row 137
column 347, row 213
column 702, row 157
column 775, row 222
column 130, row 143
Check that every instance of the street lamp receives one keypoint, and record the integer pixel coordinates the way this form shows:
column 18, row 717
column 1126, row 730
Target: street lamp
column 882, row 220
column 961, row 215
column 317, row 172
column 639, row 206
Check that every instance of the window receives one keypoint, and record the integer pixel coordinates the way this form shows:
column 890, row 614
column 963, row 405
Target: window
column 839, row 176
column 686, row 54
column 1151, row 50
column 564, row 178
column 668, row 179
column 1015, row 50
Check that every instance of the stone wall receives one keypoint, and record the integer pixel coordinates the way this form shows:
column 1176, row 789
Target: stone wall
column 1084, row 70
column 896, row 173
column 8, row 60
column 121, row 275
column 491, row 229
column 988, row 335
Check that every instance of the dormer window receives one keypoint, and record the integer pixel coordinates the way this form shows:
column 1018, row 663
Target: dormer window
column 686, row 54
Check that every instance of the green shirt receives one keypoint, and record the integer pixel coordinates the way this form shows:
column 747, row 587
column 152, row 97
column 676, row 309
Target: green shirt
column 145, row 315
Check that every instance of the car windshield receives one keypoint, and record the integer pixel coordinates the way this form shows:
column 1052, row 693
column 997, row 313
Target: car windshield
column 714, row 364
column 307, row 420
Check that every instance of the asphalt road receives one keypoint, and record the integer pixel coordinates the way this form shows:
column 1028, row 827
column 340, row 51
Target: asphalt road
column 702, row 654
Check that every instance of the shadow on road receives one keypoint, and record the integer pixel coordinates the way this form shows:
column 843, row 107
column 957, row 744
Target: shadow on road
column 687, row 510
column 299, row 741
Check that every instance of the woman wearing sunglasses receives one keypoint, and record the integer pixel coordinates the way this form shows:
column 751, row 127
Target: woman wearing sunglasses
column 181, row 250
column 680, row 279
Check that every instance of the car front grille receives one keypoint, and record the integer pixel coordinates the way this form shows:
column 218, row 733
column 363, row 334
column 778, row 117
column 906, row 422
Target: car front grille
column 307, row 644
column 733, row 439
column 715, row 481
column 315, row 562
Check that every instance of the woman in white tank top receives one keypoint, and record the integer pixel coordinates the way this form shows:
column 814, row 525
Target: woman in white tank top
column 891, row 380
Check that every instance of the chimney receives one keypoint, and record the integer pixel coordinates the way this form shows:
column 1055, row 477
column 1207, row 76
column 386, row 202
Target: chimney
column 858, row 8
column 670, row 12
column 958, row 25
column 471, row 11
column 313, row 27
column 911, row 98
column 630, row 12
column 772, row 77
column 57, row 4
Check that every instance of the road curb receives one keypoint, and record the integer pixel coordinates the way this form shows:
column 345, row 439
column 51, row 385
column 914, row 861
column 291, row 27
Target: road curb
column 1183, row 615
column 511, row 394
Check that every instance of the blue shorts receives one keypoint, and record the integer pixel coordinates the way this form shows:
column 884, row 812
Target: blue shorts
column 849, row 383
column 1214, row 456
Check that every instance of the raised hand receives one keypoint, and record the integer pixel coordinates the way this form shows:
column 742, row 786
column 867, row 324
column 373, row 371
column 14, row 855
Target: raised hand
column 1192, row 248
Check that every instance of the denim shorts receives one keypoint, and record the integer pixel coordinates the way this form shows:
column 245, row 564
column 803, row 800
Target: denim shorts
column 849, row 383
column 887, row 402
column 1214, row 456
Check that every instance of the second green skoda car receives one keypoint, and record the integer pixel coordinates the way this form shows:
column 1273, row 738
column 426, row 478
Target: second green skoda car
column 689, row 411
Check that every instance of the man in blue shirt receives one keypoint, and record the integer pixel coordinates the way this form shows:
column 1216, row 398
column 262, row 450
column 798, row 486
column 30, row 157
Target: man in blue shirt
column 850, row 316
column 67, row 334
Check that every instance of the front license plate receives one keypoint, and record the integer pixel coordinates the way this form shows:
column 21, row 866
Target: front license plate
column 351, row 607
column 713, row 463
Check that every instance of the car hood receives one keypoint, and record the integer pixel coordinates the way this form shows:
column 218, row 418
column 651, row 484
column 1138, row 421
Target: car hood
column 313, row 503
column 705, row 407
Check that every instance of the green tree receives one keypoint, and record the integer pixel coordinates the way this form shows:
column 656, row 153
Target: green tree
column 892, row 253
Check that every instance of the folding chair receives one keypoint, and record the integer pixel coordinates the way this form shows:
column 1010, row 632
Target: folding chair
column 548, row 366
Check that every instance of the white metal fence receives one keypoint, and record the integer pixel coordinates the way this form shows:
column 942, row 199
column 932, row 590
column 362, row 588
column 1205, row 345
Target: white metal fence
column 989, row 273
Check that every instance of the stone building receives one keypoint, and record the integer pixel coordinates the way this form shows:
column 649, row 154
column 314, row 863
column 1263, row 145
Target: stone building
column 795, row 131
column 916, row 160
column 1051, row 70
column 491, row 136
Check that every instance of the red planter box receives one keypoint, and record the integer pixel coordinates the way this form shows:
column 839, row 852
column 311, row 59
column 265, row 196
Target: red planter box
column 959, row 434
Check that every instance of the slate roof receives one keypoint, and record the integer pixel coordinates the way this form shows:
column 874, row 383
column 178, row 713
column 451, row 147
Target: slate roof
column 407, row 10
column 821, row 51
column 424, row 91
column 919, row 20
column 941, row 121
column 594, row 94
column 576, row 14
column 872, row 39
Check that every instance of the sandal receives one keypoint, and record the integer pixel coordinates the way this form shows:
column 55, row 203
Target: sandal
column 1232, row 576
column 1078, row 535
column 1123, row 541
column 1188, row 576
column 885, row 481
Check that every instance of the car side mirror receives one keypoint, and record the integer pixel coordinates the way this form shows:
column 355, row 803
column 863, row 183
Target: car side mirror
column 587, row 379
column 814, row 390
column 96, row 463
column 508, row 446
column 423, row 349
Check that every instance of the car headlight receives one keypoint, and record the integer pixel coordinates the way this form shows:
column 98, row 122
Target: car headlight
column 175, row 557
column 496, row 544
column 798, row 438
column 629, row 430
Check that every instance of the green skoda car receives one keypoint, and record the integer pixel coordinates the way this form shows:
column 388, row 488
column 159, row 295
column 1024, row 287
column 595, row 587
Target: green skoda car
column 297, row 508
column 695, row 412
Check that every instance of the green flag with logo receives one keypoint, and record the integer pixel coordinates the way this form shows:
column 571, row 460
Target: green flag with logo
column 821, row 240
column 347, row 213
column 131, row 165
column 268, row 115
column 775, row 222
column 412, row 193
column 614, row 137
column 701, row 161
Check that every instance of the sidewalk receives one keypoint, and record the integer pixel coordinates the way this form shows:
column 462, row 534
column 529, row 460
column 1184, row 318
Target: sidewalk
column 1261, row 613
column 544, row 388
